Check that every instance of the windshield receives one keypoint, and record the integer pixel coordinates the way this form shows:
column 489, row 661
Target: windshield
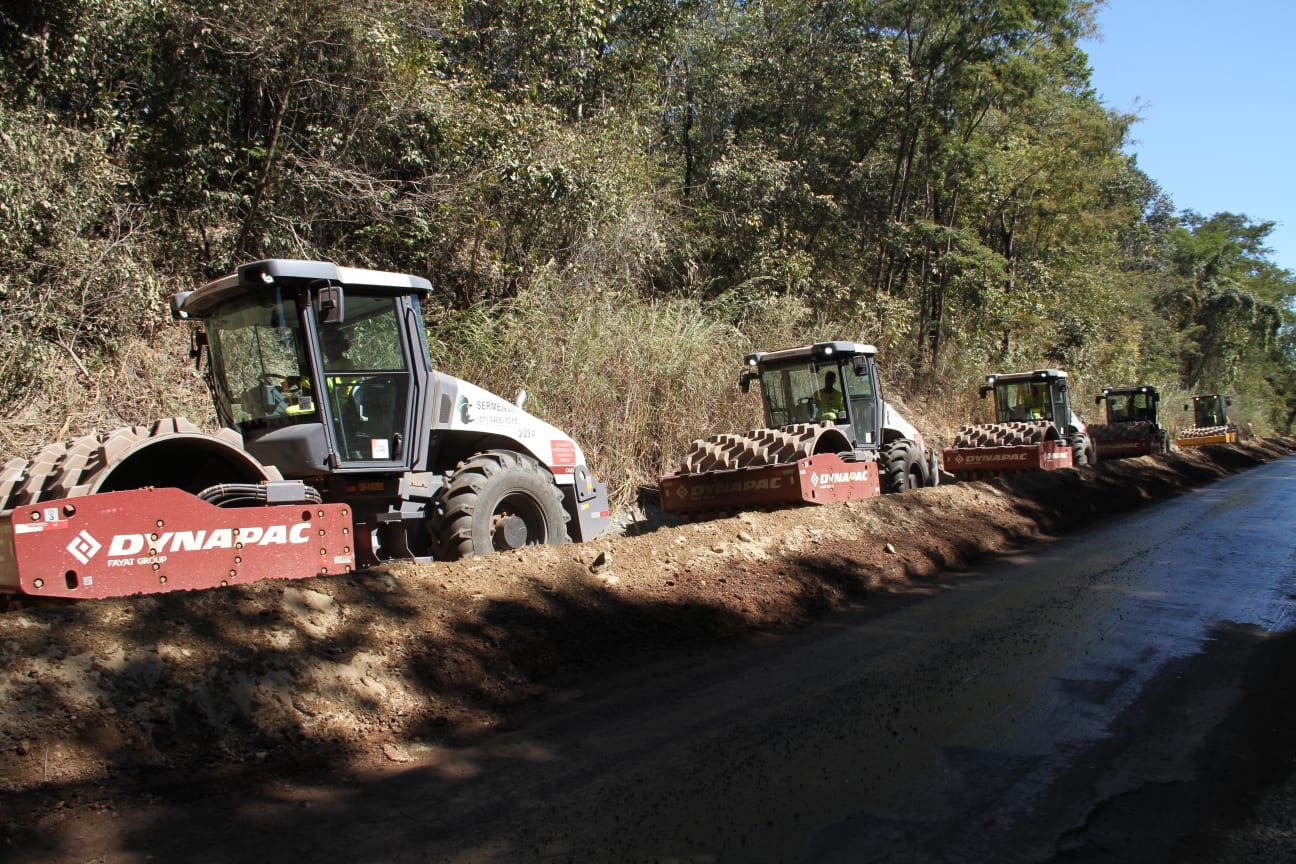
column 1129, row 407
column 1208, row 411
column 258, row 359
column 1023, row 400
column 803, row 392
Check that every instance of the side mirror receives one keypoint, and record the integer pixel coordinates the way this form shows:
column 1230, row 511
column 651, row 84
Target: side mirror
column 744, row 383
column 859, row 365
column 329, row 304
column 177, row 305
column 1185, row 407
column 1228, row 401
column 196, row 346
column 1098, row 399
column 983, row 390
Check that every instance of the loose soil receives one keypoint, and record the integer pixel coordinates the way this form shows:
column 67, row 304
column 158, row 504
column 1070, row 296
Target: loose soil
column 364, row 673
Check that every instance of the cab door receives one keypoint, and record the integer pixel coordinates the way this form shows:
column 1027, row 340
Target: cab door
column 367, row 383
column 862, row 396
column 1061, row 407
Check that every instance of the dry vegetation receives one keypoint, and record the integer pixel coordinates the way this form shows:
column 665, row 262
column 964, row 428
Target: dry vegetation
column 615, row 202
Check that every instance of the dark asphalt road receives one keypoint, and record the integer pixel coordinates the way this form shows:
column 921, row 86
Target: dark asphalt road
column 1069, row 703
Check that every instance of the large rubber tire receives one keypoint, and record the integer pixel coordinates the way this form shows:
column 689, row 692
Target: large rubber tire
column 498, row 500
column 902, row 461
column 1082, row 450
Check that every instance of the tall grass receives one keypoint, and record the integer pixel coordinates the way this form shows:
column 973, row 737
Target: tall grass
column 142, row 380
column 635, row 378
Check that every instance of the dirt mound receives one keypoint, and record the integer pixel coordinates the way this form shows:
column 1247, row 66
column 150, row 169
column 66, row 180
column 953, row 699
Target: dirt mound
column 374, row 666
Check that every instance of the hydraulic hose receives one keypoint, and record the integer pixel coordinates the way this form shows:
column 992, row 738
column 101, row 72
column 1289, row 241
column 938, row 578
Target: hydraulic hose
column 260, row 494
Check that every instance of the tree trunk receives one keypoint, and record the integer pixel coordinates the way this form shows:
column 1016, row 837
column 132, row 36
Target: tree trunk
column 241, row 249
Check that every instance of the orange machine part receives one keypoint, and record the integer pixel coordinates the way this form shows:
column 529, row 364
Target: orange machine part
column 148, row 541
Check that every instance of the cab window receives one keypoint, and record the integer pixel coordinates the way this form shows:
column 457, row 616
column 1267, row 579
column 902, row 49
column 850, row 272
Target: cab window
column 863, row 414
column 1024, row 401
column 366, row 379
column 258, row 359
column 792, row 393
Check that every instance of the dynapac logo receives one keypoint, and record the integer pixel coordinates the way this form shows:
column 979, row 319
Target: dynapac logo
column 834, row 477
column 972, row 458
column 730, row 488
column 85, row 546
column 221, row 538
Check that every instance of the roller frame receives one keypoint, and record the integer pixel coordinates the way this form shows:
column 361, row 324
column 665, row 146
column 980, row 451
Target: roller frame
column 981, row 461
column 822, row 479
column 1125, row 440
column 149, row 541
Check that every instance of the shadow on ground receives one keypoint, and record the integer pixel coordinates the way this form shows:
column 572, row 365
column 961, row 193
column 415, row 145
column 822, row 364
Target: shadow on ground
column 181, row 696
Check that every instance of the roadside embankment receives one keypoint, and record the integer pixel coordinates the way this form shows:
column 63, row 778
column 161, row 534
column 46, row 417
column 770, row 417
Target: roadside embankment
column 377, row 666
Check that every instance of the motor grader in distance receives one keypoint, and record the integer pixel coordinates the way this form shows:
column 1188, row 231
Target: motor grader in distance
column 1034, row 429
column 320, row 374
column 829, row 436
column 1211, row 424
column 1132, row 427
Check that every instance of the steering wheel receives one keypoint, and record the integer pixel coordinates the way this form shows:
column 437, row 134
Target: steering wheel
column 266, row 400
column 283, row 383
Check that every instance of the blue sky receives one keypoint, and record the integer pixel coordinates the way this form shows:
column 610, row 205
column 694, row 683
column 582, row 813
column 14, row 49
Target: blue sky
column 1215, row 86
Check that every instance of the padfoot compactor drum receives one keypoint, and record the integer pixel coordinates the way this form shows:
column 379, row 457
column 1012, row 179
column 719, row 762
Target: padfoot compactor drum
column 830, row 437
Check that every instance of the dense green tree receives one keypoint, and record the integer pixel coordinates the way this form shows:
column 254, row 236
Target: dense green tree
column 936, row 176
column 1228, row 298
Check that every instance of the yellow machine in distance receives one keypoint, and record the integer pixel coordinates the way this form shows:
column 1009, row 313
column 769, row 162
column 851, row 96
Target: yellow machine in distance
column 1211, row 424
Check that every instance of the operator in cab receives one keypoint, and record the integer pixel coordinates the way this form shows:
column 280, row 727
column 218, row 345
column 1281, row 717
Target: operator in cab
column 829, row 399
column 334, row 344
